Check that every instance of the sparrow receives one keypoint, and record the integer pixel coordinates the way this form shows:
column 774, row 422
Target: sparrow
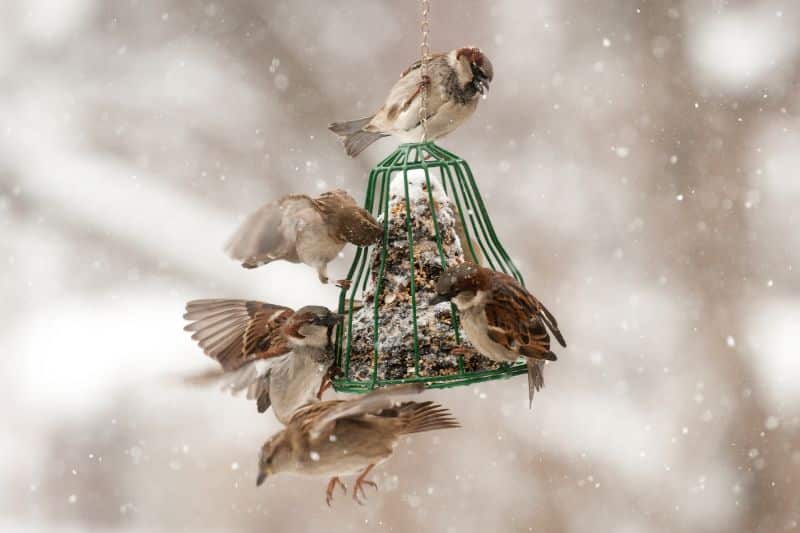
column 341, row 437
column 279, row 356
column 454, row 82
column 500, row 317
column 301, row 229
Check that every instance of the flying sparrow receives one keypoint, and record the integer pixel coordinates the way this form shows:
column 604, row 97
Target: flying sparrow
column 342, row 437
column 454, row 82
column 500, row 317
column 279, row 356
column 300, row 229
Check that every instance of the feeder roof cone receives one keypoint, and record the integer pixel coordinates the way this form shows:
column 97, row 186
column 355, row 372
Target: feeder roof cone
column 433, row 217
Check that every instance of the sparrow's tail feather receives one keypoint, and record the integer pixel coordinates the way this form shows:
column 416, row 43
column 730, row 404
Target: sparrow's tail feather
column 535, row 378
column 259, row 391
column 344, row 129
column 417, row 417
column 359, row 141
column 356, row 139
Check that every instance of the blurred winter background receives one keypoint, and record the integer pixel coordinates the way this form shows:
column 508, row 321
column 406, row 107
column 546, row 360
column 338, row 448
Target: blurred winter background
column 640, row 159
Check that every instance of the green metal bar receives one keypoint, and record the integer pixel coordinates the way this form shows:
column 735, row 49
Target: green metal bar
column 473, row 220
column 483, row 241
column 389, row 161
column 440, row 382
column 412, row 277
column 359, row 260
column 470, row 211
column 442, row 257
column 379, row 279
column 454, row 195
column 434, row 217
column 443, row 168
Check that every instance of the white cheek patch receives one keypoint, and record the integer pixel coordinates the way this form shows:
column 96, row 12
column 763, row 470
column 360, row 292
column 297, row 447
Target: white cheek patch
column 312, row 336
column 464, row 302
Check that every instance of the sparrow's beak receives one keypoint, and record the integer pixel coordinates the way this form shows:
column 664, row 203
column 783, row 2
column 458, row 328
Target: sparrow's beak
column 332, row 319
column 481, row 84
column 329, row 320
column 261, row 477
column 438, row 299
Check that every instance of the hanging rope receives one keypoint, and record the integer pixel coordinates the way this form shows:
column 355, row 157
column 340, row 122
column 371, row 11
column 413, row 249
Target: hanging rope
column 425, row 51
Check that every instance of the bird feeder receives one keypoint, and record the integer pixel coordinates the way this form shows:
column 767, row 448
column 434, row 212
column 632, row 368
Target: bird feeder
column 433, row 217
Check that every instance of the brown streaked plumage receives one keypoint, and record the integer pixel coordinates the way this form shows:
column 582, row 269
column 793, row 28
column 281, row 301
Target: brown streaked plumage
column 237, row 332
column 337, row 438
column 301, row 229
column 501, row 318
column 455, row 81
column 279, row 356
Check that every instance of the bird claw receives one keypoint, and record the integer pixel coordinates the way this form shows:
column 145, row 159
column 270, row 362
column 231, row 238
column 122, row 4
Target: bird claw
column 331, row 487
column 344, row 284
column 425, row 82
column 359, row 485
column 359, row 488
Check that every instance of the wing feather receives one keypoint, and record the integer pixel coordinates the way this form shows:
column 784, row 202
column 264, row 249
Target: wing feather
column 325, row 419
column 269, row 233
column 529, row 337
column 347, row 220
column 238, row 332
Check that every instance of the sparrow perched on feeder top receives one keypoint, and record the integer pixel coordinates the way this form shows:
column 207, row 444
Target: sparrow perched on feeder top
column 500, row 317
column 454, row 82
column 279, row 356
column 300, row 229
column 336, row 438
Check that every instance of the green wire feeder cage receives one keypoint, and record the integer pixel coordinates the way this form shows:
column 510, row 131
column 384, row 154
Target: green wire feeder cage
column 429, row 205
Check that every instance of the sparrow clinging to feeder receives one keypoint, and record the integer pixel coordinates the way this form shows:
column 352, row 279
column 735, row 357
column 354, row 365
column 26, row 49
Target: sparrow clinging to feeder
column 500, row 317
column 301, row 229
column 454, row 82
column 279, row 356
column 337, row 438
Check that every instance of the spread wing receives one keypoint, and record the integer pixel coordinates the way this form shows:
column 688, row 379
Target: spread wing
column 320, row 419
column 348, row 222
column 269, row 233
column 529, row 337
column 237, row 332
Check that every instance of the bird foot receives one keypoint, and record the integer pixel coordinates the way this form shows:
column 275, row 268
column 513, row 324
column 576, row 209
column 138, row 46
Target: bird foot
column 362, row 480
column 331, row 487
column 344, row 284
column 425, row 82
